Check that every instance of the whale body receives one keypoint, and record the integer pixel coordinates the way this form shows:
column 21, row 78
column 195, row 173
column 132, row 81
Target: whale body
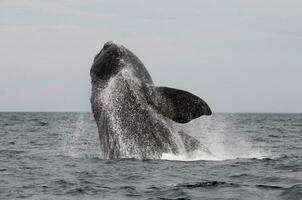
column 134, row 117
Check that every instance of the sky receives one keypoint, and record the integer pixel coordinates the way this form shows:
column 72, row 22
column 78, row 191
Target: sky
column 239, row 56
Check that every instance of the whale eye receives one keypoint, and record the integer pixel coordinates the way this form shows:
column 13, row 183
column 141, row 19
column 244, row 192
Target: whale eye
column 107, row 44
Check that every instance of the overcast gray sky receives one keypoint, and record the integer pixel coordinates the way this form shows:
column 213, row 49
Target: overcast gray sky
column 239, row 56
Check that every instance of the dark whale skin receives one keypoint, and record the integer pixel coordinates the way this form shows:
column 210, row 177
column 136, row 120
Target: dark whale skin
column 135, row 118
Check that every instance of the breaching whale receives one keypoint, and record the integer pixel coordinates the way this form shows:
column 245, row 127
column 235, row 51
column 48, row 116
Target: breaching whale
column 134, row 117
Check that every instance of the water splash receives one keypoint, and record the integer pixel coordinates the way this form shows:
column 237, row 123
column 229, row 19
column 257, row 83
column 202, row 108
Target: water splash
column 221, row 140
column 215, row 133
column 79, row 140
column 218, row 137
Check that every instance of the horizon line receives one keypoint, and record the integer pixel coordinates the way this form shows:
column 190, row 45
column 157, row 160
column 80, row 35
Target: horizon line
column 228, row 112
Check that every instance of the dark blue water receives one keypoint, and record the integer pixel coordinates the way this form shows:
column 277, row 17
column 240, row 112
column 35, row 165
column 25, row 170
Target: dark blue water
column 57, row 156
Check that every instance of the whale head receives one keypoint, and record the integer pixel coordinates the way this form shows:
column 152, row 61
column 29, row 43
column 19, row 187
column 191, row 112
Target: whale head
column 112, row 59
column 108, row 61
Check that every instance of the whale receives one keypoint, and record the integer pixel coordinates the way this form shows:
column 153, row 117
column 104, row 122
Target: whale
column 135, row 118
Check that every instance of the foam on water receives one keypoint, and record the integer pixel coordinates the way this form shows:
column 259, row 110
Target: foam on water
column 220, row 144
column 202, row 155
column 211, row 132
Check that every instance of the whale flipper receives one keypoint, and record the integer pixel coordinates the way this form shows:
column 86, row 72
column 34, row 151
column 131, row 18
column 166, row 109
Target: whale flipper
column 178, row 105
column 192, row 144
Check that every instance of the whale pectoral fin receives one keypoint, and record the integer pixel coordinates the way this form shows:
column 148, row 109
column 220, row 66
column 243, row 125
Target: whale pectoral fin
column 178, row 105
column 189, row 142
column 192, row 144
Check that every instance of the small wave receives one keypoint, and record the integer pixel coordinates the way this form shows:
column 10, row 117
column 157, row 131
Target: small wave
column 207, row 184
column 292, row 193
column 244, row 176
column 39, row 122
column 63, row 183
column 182, row 190
column 42, row 123
column 11, row 152
column 164, row 192
column 130, row 191
column 269, row 187
column 77, row 191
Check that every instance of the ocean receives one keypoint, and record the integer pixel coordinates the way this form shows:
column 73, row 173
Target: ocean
column 57, row 156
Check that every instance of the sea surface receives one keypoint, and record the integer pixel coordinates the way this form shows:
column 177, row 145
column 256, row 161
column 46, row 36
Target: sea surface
column 57, row 156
